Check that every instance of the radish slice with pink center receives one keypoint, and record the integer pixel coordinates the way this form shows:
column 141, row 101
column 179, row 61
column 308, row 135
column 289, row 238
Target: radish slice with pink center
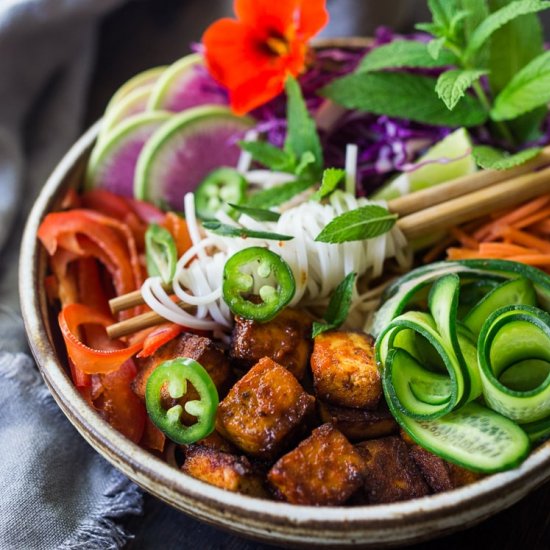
column 113, row 161
column 186, row 84
column 185, row 150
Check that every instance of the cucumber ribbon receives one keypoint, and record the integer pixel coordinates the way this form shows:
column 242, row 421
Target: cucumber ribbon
column 437, row 364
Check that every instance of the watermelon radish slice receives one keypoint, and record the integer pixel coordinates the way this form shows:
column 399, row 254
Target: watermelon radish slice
column 113, row 161
column 146, row 78
column 132, row 104
column 186, row 84
column 184, row 150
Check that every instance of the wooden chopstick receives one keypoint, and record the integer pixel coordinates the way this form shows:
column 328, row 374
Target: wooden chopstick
column 420, row 200
column 474, row 205
column 424, row 213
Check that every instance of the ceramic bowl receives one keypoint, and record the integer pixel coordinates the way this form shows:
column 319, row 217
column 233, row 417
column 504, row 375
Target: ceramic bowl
column 278, row 523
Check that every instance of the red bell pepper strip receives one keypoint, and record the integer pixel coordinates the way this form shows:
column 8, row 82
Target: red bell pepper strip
column 112, row 237
column 152, row 438
column 178, row 228
column 119, row 405
column 158, row 337
column 89, row 360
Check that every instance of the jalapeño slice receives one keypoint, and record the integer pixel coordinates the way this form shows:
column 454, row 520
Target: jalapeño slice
column 257, row 284
column 220, row 187
column 173, row 376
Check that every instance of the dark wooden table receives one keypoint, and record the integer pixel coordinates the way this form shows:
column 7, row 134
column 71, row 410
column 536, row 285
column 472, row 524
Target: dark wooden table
column 147, row 33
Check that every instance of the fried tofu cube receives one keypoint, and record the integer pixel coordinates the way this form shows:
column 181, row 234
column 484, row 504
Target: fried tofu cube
column 217, row 442
column 391, row 475
column 359, row 424
column 345, row 371
column 322, row 470
column 461, row 476
column 434, row 469
column 224, row 470
column 203, row 350
column 286, row 339
column 264, row 410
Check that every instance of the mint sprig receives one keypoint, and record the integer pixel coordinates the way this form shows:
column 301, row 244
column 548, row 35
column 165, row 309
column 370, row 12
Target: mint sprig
column 362, row 223
column 278, row 194
column 490, row 158
column 332, row 177
column 452, row 85
column 258, row 214
column 338, row 307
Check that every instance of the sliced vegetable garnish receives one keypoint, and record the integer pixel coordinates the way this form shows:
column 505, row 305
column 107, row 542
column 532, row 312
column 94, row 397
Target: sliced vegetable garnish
column 160, row 253
column 510, row 366
column 220, row 187
column 474, row 437
column 173, row 377
column 257, row 284
column 91, row 361
column 515, row 335
column 242, row 232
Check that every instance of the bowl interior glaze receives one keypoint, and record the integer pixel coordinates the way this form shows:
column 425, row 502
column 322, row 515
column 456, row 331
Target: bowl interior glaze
column 278, row 523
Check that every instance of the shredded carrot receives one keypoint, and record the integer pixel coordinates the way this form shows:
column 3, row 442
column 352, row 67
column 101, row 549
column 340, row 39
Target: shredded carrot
column 503, row 250
column 527, row 239
column 519, row 234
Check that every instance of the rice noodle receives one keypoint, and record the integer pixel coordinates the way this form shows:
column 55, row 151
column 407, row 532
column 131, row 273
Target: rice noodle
column 317, row 267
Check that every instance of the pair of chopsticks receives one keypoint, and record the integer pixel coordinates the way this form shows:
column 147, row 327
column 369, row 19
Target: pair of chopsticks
column 421, row 213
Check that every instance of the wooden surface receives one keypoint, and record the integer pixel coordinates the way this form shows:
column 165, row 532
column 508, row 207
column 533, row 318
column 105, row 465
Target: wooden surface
column 147, row 33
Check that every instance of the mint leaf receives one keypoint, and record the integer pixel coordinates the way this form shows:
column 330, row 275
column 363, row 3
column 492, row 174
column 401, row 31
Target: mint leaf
column 307, row 161
column 230, row 231
column 278, row 194
column 302, row 134
column 530, row 88
column 490, row 158
column 511, row 48
column 402, row 95
column 499, row 18
column 430, row 28
column 270, row 156
column 442, row 11
column 451, row 85
column 331, row 178
column 403, row 53
column 258, row 214
column 338, row 307
column 362, row 223
column 435, row 46
column 477, row 12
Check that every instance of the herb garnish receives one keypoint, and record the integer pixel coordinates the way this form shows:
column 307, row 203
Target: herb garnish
column 362, row 223
column 331, row 179
column 338, row 307
column 258, row 214
column 242, row 232
column 498, row 72
column 494, row 159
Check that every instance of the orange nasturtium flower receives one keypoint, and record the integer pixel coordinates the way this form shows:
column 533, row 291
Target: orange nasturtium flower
column 253, row 55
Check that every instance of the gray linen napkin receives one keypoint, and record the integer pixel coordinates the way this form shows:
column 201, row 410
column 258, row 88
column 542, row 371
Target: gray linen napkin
column 55, row 492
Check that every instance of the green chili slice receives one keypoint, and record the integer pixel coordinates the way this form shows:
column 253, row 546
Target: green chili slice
column 160, row 253
column 174, row 376
column 257, row 284
column 220, row 187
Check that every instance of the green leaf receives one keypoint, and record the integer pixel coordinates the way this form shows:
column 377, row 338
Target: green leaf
column 442, row 11
column 430, row 28
column 499, row 18
column 331, row 178
column 451, row 85
column 161, row 255
column 403, row 53
column 490, row 158
column 530, row 88
column 278, row 194
column 230, row 231
column 338, row 307
column 434, row 47
column 304, row 168
column 402, row 95
column 258, row 214
column 362, row 223
column 270, row 156
column 302, row 134
column 478, row 11
column 512, row 47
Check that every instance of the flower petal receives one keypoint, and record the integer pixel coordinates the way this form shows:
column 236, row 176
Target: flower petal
column 267, row 15
column 256, row 91
column 313, row 17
